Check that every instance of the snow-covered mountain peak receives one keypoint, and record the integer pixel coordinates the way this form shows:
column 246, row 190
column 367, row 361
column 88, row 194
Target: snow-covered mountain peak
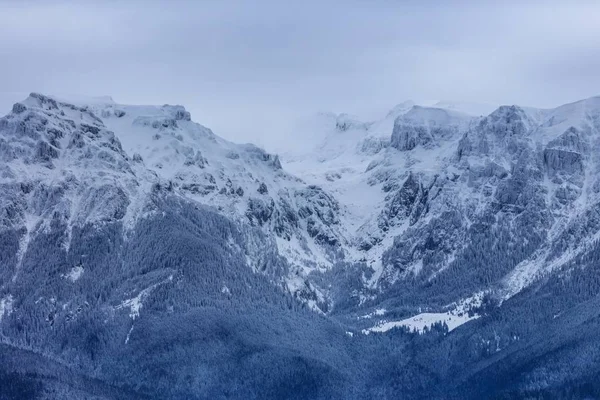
column 583, row 116
column 108, row 162
column 52, row 134
column 345, row 122
column 510, row 121
column 190, row 155
column 471, row 108
column 433, row 115
column 400, row 108
column 427, row 126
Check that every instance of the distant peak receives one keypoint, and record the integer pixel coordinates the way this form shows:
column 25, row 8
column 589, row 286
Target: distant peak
column 345, row 122
column 509, row 120
column 509, row 111
column 401, row 108
column 422, row 114
column 84, row 100
column 470, row 108
column 40, row 100
column 178, row 112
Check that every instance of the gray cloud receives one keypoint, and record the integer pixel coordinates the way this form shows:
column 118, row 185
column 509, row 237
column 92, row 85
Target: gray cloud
column 247, row 68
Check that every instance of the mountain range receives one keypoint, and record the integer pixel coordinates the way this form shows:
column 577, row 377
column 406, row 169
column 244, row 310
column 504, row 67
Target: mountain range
column 444, row 251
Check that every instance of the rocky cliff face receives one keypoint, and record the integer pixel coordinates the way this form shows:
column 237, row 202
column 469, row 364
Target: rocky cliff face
column 428, row 127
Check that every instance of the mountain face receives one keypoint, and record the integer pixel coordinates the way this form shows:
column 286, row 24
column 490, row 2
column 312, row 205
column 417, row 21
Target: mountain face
column 431, row 254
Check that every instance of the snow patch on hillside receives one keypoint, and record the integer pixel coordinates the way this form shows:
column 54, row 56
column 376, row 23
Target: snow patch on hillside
column 6, row 306
column 135, row 303
column 419, row 323
column 459, row 315
column 74, row 274
column 377, row 313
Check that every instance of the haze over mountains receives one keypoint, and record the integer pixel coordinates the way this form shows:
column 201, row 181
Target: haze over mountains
column 445, row 251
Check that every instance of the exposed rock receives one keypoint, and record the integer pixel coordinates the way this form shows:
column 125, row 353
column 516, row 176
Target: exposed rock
column 345, row 122
column 18, row 108
column 137, row 158
column 44, row 152
column 262, row 188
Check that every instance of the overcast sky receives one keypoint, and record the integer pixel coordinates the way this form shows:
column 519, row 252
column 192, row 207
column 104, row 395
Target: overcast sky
column 246, row 68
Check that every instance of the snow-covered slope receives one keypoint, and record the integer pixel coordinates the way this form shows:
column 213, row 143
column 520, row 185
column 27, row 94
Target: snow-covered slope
column 360, row 164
